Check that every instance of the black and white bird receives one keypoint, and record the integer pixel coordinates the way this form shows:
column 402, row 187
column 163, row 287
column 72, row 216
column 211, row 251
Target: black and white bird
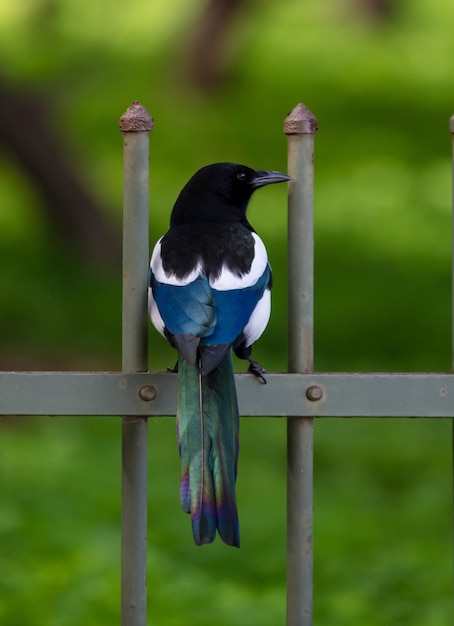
column 209, row 294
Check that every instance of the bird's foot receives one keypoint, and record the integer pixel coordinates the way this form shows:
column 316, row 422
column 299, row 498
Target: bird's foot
column 173, row 370
column 258, row 371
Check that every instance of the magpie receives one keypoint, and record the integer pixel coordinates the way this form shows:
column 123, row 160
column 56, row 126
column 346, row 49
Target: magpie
column 209, row 295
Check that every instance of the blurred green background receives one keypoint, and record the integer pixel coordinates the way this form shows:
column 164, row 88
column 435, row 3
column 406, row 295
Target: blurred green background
column 219, row 80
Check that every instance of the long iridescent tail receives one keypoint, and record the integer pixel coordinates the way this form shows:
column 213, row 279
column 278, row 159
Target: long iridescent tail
column 207, row 430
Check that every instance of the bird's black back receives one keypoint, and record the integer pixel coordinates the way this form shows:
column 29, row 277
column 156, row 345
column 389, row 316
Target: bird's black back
column 212, row 244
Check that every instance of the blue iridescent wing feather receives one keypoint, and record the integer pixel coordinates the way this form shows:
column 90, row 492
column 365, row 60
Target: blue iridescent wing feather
column 188, row 309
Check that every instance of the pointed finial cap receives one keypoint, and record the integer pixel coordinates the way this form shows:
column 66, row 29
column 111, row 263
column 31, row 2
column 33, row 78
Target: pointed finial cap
column 136, row 119
column 300, row 121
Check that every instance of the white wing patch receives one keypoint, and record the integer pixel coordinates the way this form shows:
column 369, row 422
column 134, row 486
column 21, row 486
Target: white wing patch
column 170, row 279
column 259, row 319
column 227, row 280
column 155, row 316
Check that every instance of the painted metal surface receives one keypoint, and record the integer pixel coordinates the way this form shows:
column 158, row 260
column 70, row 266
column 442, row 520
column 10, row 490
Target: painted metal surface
column 117, row 393
column 135, row 124
column 300, row 127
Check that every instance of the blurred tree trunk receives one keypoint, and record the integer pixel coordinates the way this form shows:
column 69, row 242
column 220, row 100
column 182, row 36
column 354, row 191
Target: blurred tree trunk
column 378, row 10
column 26, row 131
column 205, row 53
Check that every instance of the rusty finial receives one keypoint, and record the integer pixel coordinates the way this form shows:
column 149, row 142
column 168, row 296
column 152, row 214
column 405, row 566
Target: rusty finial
column 136, row 119
column 300, row 121
column 451, row 124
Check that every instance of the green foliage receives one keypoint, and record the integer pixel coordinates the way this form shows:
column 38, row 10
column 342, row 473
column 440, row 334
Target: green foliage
column 382, row 94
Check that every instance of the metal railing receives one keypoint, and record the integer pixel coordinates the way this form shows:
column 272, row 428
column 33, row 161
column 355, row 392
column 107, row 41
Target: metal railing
column 299, row 395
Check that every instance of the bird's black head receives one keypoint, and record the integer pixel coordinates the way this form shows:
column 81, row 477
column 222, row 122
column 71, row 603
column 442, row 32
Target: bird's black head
column 220, row 193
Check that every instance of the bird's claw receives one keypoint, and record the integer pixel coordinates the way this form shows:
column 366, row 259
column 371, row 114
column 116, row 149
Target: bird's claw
column 174, row 369
column 258, row 371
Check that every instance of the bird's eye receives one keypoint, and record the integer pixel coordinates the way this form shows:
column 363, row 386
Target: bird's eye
column 241, row 175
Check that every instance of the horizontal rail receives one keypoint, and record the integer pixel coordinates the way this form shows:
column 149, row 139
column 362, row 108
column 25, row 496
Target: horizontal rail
column 153, row 394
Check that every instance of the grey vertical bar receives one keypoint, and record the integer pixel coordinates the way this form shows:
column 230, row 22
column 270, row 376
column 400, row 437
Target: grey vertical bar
column 135, row 124
column 300, row 127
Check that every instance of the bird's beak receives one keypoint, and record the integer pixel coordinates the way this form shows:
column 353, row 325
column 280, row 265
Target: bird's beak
column 268, row 177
